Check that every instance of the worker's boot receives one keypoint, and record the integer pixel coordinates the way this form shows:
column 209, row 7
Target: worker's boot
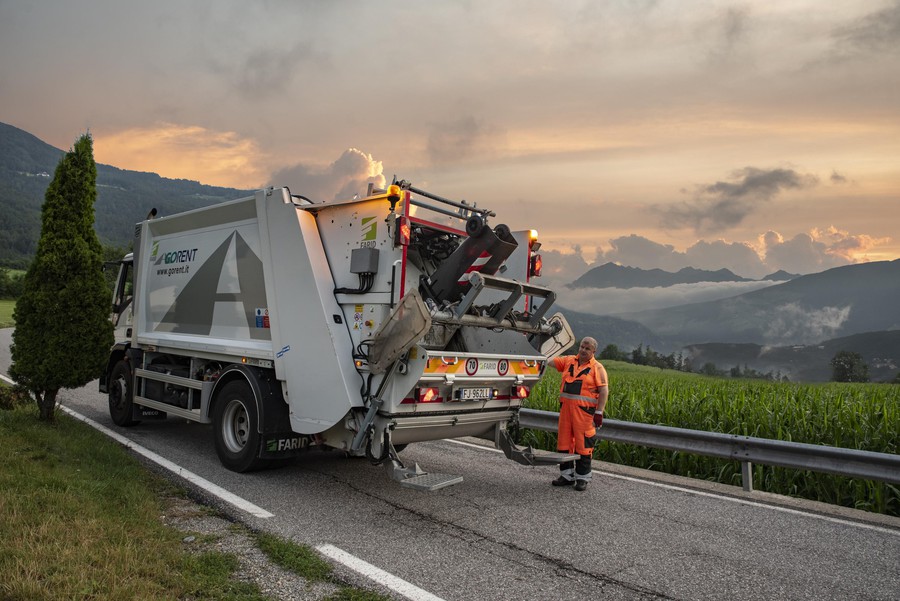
column 581, row 485
column 561, row 481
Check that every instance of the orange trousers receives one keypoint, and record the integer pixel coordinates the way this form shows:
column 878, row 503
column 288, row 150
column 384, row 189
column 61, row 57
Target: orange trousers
column 576, row 428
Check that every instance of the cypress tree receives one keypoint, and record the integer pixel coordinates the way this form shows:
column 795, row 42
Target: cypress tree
column 63, row 333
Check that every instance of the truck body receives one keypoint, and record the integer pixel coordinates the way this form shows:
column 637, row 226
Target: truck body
column 360, row 325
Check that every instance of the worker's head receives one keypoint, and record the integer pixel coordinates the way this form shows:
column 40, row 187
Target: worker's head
column 587, row 348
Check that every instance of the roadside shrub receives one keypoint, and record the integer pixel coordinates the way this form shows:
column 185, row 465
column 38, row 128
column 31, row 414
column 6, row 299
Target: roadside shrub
column 12, row 397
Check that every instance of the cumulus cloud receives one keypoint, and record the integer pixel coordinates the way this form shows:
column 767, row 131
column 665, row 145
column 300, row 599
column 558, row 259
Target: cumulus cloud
column 738, row 257
column 817, row 250
column 638, row 251
column 561, row 268
column 845, row 245
column 186, row 152
column 724, row 204
column 800, row 254
column 349, row 175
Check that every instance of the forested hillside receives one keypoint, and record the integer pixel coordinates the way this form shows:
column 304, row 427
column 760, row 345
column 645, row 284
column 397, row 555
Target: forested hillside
column 123, row 197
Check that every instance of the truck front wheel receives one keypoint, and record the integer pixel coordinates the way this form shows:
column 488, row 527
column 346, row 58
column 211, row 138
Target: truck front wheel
column 121, row 395
column 235, row 428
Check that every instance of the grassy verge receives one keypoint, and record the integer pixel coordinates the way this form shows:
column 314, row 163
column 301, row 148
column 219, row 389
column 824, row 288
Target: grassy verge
column 80, row 519
column 305, row 561
column 853, row 416
column 6, row 311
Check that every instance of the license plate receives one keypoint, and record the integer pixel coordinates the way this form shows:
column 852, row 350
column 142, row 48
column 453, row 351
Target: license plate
column 475, row 394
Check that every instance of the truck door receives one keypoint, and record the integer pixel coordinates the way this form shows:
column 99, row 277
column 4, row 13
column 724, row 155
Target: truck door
column 122, row 306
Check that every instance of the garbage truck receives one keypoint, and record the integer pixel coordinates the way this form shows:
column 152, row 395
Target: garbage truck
column 361, row 325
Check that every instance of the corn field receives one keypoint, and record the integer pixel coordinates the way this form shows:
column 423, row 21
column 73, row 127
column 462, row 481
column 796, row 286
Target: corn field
column 854, row 416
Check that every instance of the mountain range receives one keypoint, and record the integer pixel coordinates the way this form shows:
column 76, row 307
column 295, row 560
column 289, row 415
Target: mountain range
column 794, row 327
column 838, row 302
column 123, row 197
column 611, row 275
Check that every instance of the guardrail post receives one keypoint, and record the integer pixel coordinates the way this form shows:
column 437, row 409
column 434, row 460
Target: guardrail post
column 747, row 475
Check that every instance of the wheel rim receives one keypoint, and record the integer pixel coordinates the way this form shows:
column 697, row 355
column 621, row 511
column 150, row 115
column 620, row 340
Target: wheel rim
column 235, row 426
column 119, row 393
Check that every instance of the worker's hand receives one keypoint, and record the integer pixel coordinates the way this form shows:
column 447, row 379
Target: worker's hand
column 598, row 419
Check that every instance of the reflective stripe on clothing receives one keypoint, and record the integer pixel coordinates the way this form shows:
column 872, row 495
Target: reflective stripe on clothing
column 578, row 397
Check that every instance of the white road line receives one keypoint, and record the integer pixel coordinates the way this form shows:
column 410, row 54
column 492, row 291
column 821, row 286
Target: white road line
column 398, row 585
column 701, row 493
column 188, row 475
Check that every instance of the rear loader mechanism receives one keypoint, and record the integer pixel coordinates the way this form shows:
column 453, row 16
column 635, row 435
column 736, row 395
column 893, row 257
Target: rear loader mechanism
column 462, row 301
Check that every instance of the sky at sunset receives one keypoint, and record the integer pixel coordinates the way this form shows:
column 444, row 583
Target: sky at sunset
column 754, row 136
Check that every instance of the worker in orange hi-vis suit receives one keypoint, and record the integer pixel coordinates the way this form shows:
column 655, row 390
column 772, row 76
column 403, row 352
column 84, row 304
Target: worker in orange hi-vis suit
column 582, row 397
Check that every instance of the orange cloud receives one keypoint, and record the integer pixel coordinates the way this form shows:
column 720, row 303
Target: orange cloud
column 184, row 152
column 852, row 247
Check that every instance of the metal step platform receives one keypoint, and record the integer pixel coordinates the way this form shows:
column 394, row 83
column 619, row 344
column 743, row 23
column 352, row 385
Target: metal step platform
column 431, row 482
column 528, row 456
column 418, row 479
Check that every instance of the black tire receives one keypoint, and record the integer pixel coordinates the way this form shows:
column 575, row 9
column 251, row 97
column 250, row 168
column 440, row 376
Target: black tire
column 236, row 428
column 121, row 395
column 399, row 447
column 474, row 226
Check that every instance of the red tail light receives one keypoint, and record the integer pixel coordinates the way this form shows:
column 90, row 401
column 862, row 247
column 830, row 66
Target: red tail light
column 534, row 270
column 520, row 391
column 403, row 232
column 428, row 395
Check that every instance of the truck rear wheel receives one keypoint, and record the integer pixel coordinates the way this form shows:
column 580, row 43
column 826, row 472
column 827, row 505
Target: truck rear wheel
column 235, row 428
column 121, row 395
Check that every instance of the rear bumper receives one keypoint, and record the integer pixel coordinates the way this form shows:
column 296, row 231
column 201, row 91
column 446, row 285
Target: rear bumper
column 434, row 426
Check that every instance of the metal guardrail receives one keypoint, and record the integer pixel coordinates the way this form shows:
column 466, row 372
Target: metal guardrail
column 867, row 465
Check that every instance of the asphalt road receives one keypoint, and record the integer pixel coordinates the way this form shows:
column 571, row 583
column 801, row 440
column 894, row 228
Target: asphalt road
column 505, row 533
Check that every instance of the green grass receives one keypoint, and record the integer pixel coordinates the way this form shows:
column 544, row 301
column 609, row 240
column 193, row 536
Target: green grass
column 306, row 562
column 853, row 416
column 6, row 312
column 79, row 519
column 293, row 557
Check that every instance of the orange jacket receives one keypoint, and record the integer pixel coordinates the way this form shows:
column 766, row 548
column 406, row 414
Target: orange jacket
column 580, row 383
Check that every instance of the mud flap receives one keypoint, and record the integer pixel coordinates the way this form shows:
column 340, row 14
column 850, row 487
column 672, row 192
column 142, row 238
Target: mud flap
column 528, row 456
